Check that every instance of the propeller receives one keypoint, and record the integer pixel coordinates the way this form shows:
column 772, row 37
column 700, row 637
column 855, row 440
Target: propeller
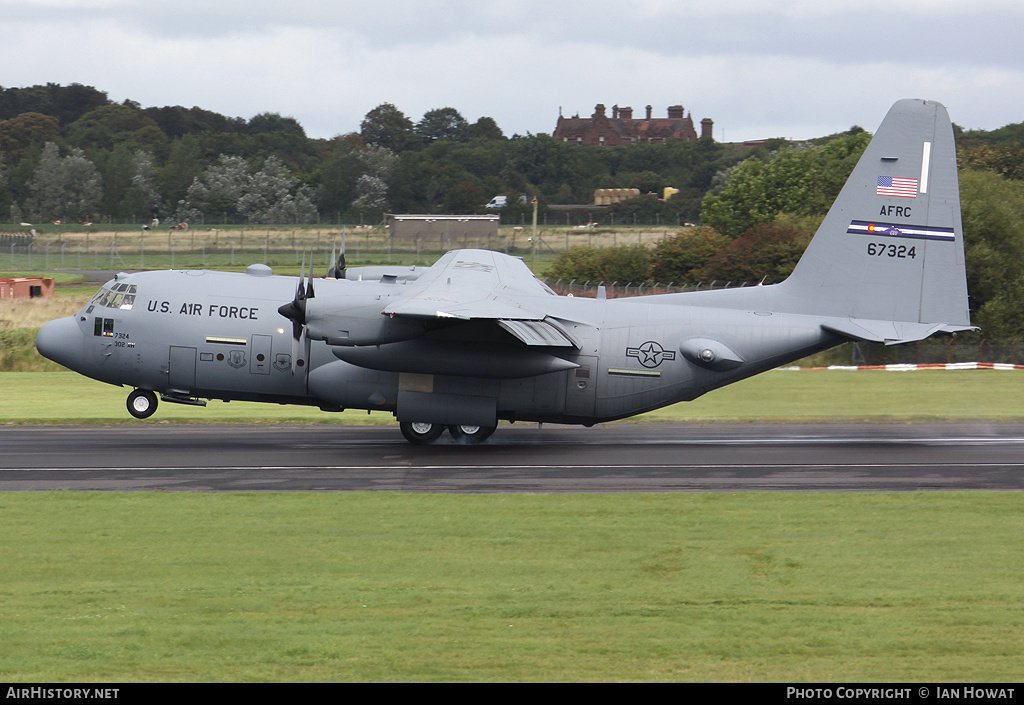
column 337, row 271
column 295, row 311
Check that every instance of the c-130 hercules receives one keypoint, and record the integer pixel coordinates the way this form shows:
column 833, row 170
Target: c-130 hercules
column 476, row 338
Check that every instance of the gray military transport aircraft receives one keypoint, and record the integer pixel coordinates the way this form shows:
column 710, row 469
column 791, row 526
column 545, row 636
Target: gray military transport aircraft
column 477, row 338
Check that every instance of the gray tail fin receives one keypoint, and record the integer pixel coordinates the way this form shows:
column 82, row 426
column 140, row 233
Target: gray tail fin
column 890, row 252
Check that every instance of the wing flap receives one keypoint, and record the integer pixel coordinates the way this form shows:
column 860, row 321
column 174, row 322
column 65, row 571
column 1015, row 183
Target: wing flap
column 538, row 333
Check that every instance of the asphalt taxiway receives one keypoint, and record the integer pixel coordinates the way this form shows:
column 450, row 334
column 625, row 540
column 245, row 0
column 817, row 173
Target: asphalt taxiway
column 622, row 457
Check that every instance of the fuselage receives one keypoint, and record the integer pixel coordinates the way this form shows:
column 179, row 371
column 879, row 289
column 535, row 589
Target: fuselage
column 190, row 335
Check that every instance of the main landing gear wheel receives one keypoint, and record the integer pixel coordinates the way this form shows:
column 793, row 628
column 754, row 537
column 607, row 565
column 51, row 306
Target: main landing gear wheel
column 142, row 403
column 419, row 433
column 471, row 434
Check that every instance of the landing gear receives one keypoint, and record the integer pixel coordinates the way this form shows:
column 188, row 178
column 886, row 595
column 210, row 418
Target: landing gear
column 142, row 403
column 471, row 434
column 421, row 433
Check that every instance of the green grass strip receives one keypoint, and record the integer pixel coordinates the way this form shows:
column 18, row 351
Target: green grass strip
column 819, row 587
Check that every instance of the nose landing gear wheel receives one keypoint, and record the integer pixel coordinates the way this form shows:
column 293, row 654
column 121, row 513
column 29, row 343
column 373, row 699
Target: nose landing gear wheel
column 142, row 403
column 421, row 433
column 471, row 434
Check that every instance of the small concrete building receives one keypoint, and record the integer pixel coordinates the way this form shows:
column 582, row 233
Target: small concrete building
column 26, row 287
column 444, row 229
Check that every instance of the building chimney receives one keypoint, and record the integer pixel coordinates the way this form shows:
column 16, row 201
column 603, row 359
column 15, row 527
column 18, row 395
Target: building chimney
column 599, row 110
column 705, row 128
column 626, row 113
column 649, row 109
column 675, row 112
column 615, row 112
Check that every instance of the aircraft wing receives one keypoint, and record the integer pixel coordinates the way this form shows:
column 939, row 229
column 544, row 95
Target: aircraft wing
column 482, row 285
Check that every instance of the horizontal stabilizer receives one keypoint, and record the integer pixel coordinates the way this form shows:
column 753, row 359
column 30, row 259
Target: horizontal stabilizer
column 889, row 332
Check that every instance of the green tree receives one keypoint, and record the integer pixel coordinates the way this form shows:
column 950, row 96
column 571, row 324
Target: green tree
column 442, row 124
column 372, row 186
column 683, row 257
column 110, row 125
column 464, row 197
column 65, row 188
column 65, row 103
column 486, row 128
column 274, row 122
column 388, row 127
column 338, row 174
column 541, row 161
column 1004, row 159
column 767, row 252
column 183, row 165
column 116, row 168
column 993, row 218
column 217, row 192
column 25, row 130
column 623, row 264
column 176, row 121
column 72, row 102
column 272, row 195
column 141, row 198
column 799, row 181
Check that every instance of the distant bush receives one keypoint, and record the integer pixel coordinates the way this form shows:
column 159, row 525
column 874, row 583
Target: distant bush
column 625, row 263
column 766, row 252
column 683, row 257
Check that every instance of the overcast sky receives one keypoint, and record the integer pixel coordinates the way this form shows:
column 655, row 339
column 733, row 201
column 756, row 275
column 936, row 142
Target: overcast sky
column 758, row 68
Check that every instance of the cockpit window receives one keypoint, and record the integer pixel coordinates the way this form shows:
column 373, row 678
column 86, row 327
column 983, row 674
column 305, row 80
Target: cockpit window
column 119, row 296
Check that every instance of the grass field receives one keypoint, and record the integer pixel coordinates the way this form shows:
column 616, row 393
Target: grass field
column 394, row 587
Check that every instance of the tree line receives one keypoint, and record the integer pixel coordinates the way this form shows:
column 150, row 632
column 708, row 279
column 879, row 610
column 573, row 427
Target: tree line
column 70, row 153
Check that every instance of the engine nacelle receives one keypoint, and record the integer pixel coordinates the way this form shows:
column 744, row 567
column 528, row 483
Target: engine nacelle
column 461, row 359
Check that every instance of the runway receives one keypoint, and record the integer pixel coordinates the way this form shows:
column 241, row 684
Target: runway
column 621, row 457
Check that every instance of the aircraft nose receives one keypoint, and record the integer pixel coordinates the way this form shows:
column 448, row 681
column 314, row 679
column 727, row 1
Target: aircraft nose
column 61, row 341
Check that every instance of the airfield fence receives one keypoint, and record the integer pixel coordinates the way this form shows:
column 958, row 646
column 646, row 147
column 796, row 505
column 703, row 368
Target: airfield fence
column 236, row 247
column 932, row 351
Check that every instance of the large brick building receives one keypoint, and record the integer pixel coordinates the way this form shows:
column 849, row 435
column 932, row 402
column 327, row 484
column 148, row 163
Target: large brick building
column 623, row 128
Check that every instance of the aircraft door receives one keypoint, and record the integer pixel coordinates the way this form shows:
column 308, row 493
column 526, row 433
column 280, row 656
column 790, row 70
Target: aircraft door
column 581, row 392
column 181, row 369
column 260, row 360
